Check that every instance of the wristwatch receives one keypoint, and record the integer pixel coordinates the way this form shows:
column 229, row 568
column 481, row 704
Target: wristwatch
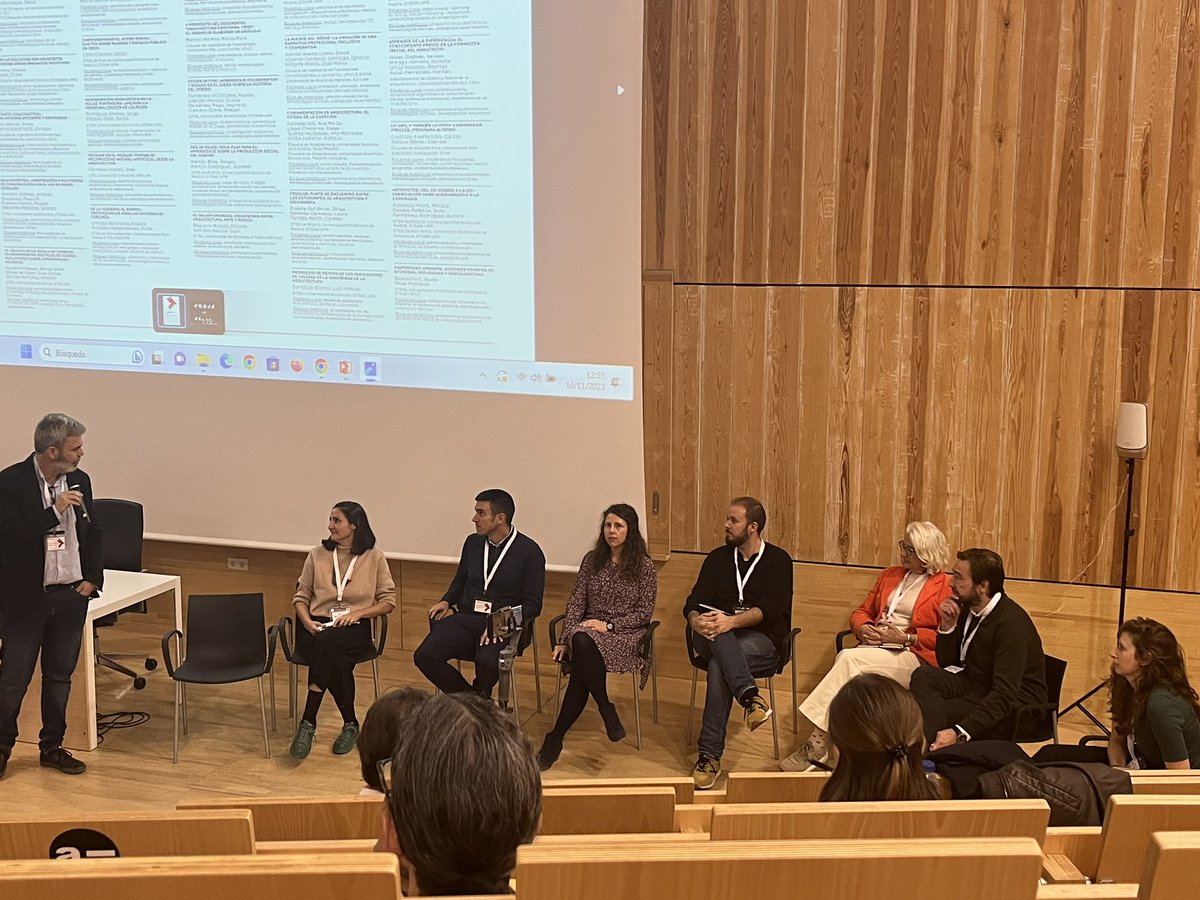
column 963, row 737
column 609, row 625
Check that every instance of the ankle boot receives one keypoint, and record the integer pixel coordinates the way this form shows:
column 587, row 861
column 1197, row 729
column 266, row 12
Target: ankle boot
column 612, row 723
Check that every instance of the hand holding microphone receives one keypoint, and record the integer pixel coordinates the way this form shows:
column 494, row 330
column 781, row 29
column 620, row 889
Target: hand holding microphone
column 74, row 489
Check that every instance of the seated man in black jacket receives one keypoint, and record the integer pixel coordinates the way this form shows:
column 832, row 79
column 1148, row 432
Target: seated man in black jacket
column 499, row 567
column 739, row 613
column 989, row 654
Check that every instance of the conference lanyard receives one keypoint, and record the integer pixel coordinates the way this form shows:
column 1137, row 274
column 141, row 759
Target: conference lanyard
column 338, row 580
column 488, row 569
column 737, row 573
column 969, row 632
column 898, row 594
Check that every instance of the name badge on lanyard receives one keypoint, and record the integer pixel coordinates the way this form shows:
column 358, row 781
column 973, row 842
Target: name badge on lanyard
column 740, row 581
column 969, row 635
column 56, row 540
column 340, row 608
column 489, row 571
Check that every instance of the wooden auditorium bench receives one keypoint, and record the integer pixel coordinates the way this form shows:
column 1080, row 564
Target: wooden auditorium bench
column 1117, row 851
column 978, row 869
column 774, row 787
column 190, row 833
column 864, row 821
column 564, row 811
column 307, row 877
column 685, row 788
column 1172, row 866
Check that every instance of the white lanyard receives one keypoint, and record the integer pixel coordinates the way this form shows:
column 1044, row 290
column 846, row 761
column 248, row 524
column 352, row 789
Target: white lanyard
column 737, row 573
column 487, row 546
column 338, row 580
column 898, row 594
column 969, row 632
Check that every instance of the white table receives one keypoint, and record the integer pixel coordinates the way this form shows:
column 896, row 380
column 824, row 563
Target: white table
column 121, row 591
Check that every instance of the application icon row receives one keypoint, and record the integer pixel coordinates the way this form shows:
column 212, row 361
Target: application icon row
column 369, row 370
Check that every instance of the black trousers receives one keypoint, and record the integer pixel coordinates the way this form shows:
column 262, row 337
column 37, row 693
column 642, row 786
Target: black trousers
column 331, row 656
column 51, row 624
column 945, row 699
column 457, row 637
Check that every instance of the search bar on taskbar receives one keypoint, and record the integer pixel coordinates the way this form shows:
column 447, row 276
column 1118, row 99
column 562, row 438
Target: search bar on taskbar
column 96, row 355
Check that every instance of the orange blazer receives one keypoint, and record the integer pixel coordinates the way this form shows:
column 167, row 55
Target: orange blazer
column 924, row 622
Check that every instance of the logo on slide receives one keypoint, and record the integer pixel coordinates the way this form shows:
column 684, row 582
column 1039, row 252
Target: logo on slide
column 272, row 363
column 249, row 362
column 203, row 360
column 297, row 365
column 321, row 366
column 226, row 361
column 155, row 358
column 27, row 351
column 180, row 358
column 345, row 367
column 370, row 370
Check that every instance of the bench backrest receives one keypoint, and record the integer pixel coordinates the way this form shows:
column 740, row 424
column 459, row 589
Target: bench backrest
column 1129, row 822
column 192, row 833
column 302, row 818
column 307, row 877
column 1167, row 784
column 607, row 810
column 979, row 869
column 774, row 787
column 685, row 788
column 1172, row 866
column 919, row 819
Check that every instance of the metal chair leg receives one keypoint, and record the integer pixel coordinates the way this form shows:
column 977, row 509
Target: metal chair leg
column 512, row 687
column 637, row 709
column 537, row 670
column 775, row 717
column 274, row 722
column 175, row 740
column 262, row 707
column 183, row 689
column 654, row 685
column 292, row 688
column 375, row 675
column 692, row 706
column 795, row 701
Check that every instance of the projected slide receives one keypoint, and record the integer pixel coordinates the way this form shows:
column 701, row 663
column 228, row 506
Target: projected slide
column 292, row 189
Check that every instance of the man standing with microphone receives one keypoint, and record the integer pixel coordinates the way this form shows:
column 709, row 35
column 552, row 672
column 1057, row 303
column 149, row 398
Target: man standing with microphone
column 51, row 563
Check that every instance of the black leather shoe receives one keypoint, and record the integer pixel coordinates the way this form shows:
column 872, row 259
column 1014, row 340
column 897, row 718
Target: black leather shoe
column 60, row 759
column 4, row 755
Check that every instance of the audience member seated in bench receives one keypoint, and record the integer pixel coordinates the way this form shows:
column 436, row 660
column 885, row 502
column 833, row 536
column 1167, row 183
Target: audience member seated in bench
column 381, row 729
column 1155, row 709
column 878, row 741
column 462, row 792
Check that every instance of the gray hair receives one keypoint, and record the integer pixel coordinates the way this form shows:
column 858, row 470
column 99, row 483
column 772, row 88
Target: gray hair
column 464, row 778
column 54, row 429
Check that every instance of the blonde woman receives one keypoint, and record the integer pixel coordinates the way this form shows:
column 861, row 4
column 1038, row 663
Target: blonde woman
column 896, row 627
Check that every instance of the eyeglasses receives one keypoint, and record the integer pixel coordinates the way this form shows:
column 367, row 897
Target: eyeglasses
column 906, row 549
column 384, row 768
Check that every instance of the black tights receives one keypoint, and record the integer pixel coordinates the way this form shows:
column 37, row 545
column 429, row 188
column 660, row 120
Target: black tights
column 588, row 677
column 341, row 686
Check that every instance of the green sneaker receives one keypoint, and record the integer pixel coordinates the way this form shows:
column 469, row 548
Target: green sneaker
column 302, row 742
column 347, row 739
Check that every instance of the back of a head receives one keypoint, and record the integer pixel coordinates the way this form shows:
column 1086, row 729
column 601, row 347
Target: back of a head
column 381, row 728
column 466, row 792
column 877, row 728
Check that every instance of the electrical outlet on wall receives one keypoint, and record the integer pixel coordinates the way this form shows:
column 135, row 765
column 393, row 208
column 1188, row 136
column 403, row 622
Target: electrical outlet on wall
column 238, row 563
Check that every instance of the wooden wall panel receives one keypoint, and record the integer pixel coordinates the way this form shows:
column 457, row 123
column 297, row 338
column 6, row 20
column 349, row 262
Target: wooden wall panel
column 921, row 251
column 852, row 411
column 983, row 142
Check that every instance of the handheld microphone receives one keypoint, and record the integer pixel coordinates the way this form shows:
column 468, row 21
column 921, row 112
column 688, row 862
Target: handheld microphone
column 82, row 508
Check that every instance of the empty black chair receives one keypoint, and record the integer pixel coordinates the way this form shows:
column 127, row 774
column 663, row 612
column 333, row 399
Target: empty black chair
column 123, row 529
column 226, row 641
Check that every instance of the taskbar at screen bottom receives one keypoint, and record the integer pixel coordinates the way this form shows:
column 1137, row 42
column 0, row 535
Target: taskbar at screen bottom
column 547, row 379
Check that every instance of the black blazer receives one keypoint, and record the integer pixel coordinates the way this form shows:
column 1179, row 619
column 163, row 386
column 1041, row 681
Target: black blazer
column 1005, row 664
column 24, row 521
column 521, row 578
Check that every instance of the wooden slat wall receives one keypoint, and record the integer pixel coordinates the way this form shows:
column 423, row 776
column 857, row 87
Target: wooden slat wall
column 920, row 252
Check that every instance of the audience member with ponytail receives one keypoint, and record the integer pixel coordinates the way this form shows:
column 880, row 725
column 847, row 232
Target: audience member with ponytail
column 878, row 740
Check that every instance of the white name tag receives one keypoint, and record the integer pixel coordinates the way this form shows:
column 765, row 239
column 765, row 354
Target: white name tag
column 56, row 542
column 953, row 670
column 337, row 612
column 482, row 606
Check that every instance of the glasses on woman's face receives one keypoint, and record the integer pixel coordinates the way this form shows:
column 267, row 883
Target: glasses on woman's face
column 384, row 768
column 907, row 549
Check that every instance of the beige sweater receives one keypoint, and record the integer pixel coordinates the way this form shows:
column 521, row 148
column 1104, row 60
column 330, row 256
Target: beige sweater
column 370, row 582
